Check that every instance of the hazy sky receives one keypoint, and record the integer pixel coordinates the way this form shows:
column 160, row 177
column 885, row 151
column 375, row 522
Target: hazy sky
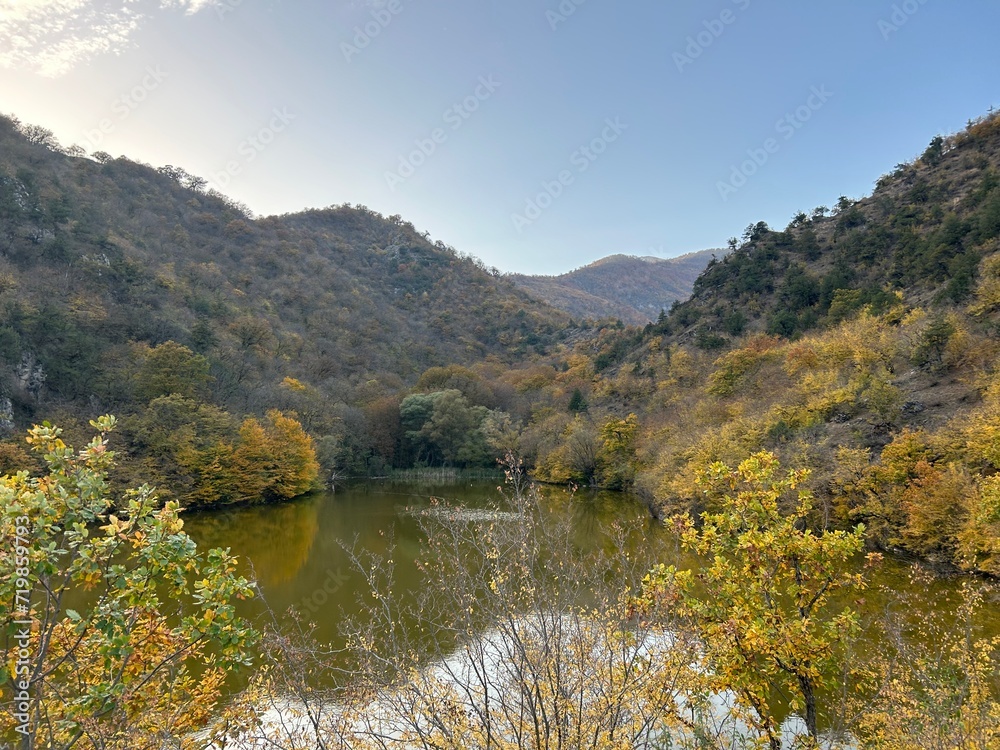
column 539, row 135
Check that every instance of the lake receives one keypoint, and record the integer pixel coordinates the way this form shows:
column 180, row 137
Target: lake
column 296, row 551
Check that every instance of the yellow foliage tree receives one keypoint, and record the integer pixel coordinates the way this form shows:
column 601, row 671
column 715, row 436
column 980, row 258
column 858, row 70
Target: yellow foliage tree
column 935, row 505
column 274, row 461
column 761, row 604
column 116, row 630
column 979, row 539
column 933, row 690
column 987, row 298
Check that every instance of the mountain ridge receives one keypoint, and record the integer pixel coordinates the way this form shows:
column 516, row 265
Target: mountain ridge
column 633, row 289
column 131, row 290
column 858, row 344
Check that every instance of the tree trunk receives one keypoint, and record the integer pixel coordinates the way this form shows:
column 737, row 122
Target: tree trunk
column 809, row 697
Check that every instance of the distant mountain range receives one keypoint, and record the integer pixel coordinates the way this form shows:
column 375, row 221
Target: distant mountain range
column 631, row 288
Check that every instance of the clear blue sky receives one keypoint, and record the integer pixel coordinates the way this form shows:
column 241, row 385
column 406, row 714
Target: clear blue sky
column 503, row 94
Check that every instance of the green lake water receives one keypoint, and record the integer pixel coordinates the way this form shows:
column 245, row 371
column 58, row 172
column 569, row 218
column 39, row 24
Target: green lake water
column 296, row 550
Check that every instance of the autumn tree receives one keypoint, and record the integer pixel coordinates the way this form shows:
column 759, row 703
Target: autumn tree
column 180, row 440
column 933, row 684
column 170, row 368
column 577, row 456
column 264, row 462
column 979, row 541
column 617, row 455
column 207, row 458
column 115, row 628
column 761, row 605
column 275, row 460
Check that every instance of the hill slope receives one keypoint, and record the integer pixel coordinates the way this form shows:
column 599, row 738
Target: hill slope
column 118, row 252
column 326, row 312
column 862, row 346
column 632, row 289
column 923, row 233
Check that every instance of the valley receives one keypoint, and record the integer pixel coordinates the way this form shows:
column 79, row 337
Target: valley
column 756, row 441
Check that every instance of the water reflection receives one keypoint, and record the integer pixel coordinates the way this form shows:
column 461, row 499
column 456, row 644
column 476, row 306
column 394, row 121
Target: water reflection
column 277, row 538
column 296, row 551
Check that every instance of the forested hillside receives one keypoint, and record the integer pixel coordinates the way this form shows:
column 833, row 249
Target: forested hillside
column 131, row 290
column 633, row 289
column 860, row 343
column 250, row 358
column 924, row 232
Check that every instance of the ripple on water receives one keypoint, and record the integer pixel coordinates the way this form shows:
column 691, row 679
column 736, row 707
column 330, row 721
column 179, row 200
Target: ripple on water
column 463, row 514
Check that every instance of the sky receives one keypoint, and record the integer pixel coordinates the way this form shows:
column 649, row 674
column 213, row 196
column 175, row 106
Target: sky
column 538, row 135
